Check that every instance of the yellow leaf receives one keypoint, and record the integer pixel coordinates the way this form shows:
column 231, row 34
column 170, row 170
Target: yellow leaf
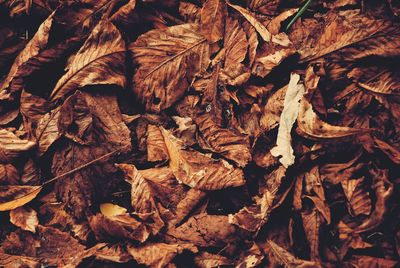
column 110, row 210
column 14, row 196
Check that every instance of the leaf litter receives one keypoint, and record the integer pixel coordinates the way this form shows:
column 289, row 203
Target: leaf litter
column 199, row 133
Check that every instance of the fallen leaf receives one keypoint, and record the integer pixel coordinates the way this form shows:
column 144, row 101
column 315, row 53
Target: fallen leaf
column 288, row 117
column 158, row 255
column 163, row 76
column 212, row 20
column 310, row 125
column 283, row 257
column 11, row 146
column 212, row 174
column 103, row 54
column 14, row 196
column 25, row 218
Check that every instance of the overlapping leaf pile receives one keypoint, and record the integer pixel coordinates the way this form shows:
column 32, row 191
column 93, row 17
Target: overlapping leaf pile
column 199, row 133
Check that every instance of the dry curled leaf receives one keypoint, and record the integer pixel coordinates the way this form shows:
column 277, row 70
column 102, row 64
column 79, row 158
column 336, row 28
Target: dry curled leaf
column 158, row 255
column 289, row 114
column 25, row 218
column 103, row 54
column 211, row 174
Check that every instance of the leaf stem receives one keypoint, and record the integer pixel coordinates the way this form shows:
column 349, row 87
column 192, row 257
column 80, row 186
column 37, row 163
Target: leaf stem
column 298, row 15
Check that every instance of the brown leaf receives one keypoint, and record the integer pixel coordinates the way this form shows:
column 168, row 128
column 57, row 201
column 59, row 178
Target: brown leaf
column 50, row 245
column 267, row 7
column 14, row 196
column 272, row 54
column 7, row 260
column 47, row 131
column 311, row 126
column 253, row 217
column 312, row 227
column 12, row 146
column 208, row 260
column 103, row 54
column 156, row 149
column 143, row 199
column 8, row 175
column 125, row 14
column 379, row 37
column 228, row 143
column 260, row 28
column 389, row 150
column 383, row 190
column 158, row 255
column 39, row 41
column 168, row 60
column 121, row 226
column 25, row 218
column 283, row 257
column 204, row 230
column 106, row 132
column 251, row 257
column 198, row 170
column 358, row 198
column 212, row 20
column 235, row 45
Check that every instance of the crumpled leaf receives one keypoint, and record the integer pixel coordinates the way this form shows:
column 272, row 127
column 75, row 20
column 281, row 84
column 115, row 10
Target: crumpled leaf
column 357, row 196
column 283, row 257
column 260, row 28
column 8, row 175
column 50, row 245
column 103, row 54
column 212, row 20
column 311, row 126
column 204, row 230
column 235, row 45
column 228, row 143
column 143, row 198
column 211, row 174
column 168, row 60
column 289, row 114
column 205, row 259
column 25, row 218
column 158, row 255
column 253, row 217
column 32, row 49
column 12, row 146
column 102, row 129
column 121, row 226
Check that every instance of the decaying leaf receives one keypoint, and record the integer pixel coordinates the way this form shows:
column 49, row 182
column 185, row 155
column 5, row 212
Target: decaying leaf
column 212, row 20
column 158, row 255
column 25, row 218
column 204, row 230
column 283, row 257
column 12, row 146
column 310, row 125
column 289, row 114
column 211, row 174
